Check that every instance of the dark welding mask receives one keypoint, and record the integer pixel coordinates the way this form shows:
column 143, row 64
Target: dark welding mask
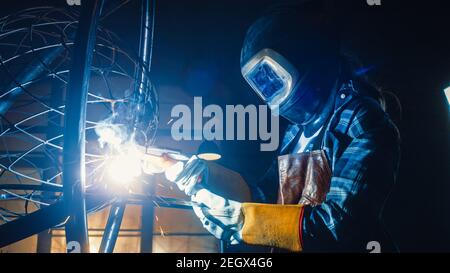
column 290, row 58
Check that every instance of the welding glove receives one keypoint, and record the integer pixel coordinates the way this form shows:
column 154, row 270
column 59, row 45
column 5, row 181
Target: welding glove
column 221, row 217
column 252, row 223
column 189, row 176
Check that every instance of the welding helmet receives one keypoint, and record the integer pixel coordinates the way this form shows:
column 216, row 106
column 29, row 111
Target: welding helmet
column 290, row 58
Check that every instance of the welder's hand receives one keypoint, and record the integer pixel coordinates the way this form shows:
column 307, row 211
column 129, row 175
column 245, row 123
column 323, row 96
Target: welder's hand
column 189, row 175
column 221, row 217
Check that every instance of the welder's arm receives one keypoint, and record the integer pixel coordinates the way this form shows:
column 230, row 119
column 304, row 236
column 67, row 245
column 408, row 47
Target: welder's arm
column 363, row 175
column 272, row 225
column 251, row 223
column 221, row 205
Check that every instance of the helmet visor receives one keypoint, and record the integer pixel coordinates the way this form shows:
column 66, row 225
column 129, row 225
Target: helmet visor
column 271, row 76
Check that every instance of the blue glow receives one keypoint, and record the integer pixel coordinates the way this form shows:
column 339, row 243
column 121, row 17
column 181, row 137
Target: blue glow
column 266, row 80
column 364, row 70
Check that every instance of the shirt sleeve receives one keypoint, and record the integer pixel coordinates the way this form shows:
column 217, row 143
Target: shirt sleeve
column 364, row 158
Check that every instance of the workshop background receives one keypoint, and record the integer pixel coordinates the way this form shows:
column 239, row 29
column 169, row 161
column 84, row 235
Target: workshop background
column 196, row 53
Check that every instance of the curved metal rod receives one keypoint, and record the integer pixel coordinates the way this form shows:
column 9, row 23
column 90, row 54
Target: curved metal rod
column 145, row 57
column 74, row 132
column 31, row 187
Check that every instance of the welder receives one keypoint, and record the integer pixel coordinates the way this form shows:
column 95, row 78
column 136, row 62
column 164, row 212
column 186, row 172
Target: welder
column 338, row 158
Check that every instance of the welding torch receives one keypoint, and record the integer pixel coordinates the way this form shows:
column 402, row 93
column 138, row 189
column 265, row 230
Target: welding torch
column 158, row 160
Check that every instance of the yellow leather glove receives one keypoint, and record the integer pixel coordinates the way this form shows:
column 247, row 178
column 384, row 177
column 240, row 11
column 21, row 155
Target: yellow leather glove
column 272, row 225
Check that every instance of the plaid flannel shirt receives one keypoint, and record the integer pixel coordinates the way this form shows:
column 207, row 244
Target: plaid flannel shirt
column 363, row 147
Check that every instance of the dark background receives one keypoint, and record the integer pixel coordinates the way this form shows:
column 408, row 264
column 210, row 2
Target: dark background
column 197, row 47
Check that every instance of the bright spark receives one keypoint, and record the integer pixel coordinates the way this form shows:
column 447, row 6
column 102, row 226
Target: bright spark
column 125, row 165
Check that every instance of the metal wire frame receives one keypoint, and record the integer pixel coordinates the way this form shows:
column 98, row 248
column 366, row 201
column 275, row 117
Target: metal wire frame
column 59, row 71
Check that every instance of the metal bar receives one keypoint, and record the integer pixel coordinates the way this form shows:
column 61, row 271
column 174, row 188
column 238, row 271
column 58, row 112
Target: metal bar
column 222, row 246
column 141, row 82
column 75, row 118
column 112, row 227
column 30, row 187
column 31, row 224
column 159, row 201
column 145, row 45
column 147, row 219
column 158, row 234
column 39, row 221
column 148, row 212
column 44, row 241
